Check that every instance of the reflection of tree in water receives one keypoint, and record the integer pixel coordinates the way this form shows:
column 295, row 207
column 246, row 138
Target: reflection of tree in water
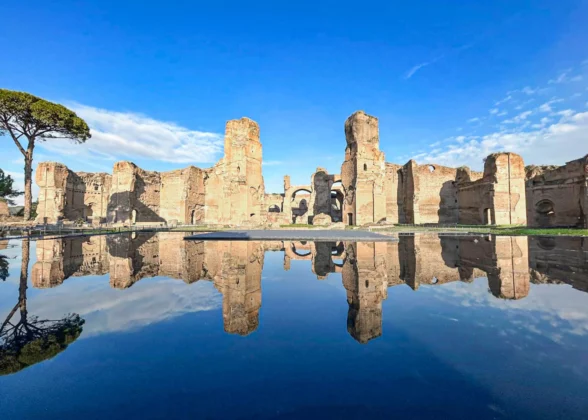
column 3, row 267
column 30, row 340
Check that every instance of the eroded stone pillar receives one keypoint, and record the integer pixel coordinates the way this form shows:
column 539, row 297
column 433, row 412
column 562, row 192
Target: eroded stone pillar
column 363, row 171
column 365, row 279
column 51, row 177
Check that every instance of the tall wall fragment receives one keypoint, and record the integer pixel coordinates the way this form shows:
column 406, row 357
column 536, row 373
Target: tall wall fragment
column 498, row 196
column 558, row 196
column 363, row 171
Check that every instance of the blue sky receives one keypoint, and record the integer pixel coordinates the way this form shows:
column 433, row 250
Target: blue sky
column 449, row 81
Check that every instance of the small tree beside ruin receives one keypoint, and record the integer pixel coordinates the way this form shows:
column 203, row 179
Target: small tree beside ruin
column 7, row 191
column 26, row 119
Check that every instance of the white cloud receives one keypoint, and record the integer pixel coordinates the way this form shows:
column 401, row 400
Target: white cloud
column 559, row 305
column 567, row 113
column 120, row 135
column 494, row 111
column 416, row 68
column 108, row 310
column 554, row 143
column 473, row 120
column 519, row 118
column 528, row 90
column 565, row 77
column 506, row 99
column 546, row 107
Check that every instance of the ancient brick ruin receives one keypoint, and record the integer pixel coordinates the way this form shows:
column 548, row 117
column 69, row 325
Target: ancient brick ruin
column 558, row 196
column 368, row 190
column 368, row 269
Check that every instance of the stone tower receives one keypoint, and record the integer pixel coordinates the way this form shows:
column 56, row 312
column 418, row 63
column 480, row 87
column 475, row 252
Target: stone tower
column 507, row 172
column 51, row 177
column 243, row 182
column 363, row 171
column 365, row 280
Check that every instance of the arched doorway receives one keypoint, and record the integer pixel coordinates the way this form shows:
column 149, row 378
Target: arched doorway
column 193, row 217
column 545, row 213
column 337, row 198
column 274, row 209
column 299, row 205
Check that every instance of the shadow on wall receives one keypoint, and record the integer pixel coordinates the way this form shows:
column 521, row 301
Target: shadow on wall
column 124, row 207
column 448, row 207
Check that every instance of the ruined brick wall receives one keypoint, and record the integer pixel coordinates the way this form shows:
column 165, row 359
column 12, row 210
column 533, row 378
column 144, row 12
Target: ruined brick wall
column 59, row 259
column 393, row 188
column 363, row 171
column 4, row 208
column 558, row 196
column 51, row 177
column 301, row 203
column 503, row 260
column 68, row 195
column 135, row 195
column 235, row 268
column 181, row 259
column 182, row 195
column 559, row 260
column 507, row 170
column 422, row 261
column 429, row 193
column 474, row 197
column 364, row 275
column 274, row 204
column 132, row 257
column 234, row 187
column 320, row 197
column 87, row 195
column 498, row 196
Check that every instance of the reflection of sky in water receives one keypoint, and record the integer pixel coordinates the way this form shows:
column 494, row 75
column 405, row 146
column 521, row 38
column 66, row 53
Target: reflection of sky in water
column 159, row 350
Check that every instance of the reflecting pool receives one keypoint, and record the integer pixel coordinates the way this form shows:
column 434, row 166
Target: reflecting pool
column 431, row 327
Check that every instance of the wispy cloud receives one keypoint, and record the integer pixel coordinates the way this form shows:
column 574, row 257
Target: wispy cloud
column 546, row 107
column 545, row 143
column 419, row 66
column 122, row 135
column 519, row 118
column 564, row 77
column 503, row 100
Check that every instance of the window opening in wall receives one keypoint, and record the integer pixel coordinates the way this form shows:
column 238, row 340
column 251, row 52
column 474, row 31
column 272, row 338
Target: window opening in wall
column 365, row 166
column 350, row 219
column 487, row 216
column 431, row 168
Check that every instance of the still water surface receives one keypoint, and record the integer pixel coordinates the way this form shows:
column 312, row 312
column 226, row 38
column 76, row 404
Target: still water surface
column 152, row 326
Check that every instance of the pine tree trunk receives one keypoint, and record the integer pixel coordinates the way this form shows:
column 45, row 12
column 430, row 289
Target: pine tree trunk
column 24, row 276
column 28, row 179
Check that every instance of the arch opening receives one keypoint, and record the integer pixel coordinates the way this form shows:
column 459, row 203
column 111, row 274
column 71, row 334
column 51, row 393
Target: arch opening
column 545, row 213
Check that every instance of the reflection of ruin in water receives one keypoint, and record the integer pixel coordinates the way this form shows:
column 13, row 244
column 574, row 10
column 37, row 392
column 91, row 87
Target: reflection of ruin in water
column 367, row 268
column 27, row 340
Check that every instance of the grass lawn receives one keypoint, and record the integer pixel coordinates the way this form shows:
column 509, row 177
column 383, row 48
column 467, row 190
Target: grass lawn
column 497, row 230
